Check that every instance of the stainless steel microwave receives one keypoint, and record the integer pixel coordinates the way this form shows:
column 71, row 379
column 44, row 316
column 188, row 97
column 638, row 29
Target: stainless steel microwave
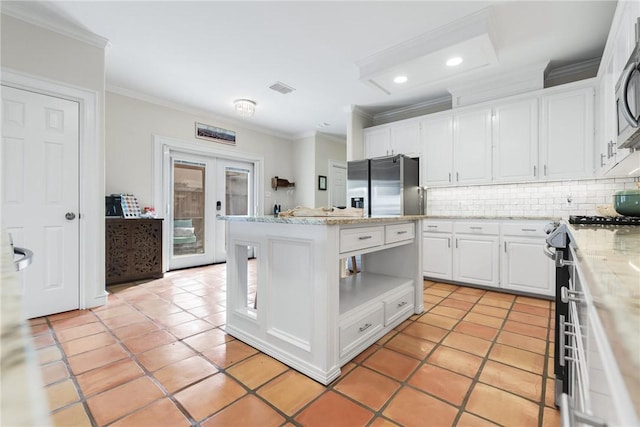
column 628, row 102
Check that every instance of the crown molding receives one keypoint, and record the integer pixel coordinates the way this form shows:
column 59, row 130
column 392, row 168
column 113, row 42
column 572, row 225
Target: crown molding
column 19, row 11
column 571, row 69
column 413, row 110
column 355, row 109
column 332, row 137
column 503, row 85
column 195, row 111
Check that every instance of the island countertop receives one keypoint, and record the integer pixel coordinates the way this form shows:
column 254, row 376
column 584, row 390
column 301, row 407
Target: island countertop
column 609, row 257
column 323, row 220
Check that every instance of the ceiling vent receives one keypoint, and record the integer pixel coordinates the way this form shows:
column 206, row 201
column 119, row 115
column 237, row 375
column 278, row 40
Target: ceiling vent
column 282, row 88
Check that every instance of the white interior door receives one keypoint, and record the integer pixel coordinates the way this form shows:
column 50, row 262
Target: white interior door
column 40, row 195
column 191, row 212
column 337, row 184
column 235, row 196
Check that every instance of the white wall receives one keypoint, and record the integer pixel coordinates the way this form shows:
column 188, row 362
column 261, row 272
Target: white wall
column 304, row 154
column 327, row 148
column 131, row 124
column 356, row 122
column 543, row 199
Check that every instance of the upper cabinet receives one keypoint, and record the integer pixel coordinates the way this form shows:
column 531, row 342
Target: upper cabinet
column 472, row 146
column 437, row 149
column 457, row 148
column 515, row 140
column 566, row 143
column 620, row 44
column 396, row 138
column 377, row 142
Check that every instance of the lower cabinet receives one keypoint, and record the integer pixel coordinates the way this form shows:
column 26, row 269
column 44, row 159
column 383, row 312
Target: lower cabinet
column 476, row 254
column 133, row 249
column 525, row 268
column 507, row 254
column 437, row 254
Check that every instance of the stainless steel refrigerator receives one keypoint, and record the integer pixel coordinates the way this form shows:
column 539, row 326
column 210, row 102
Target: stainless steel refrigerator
column 394, row 186
column 385, row 186
column 358, row 185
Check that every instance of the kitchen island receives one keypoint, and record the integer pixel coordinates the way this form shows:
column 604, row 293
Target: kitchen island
column 306, row 312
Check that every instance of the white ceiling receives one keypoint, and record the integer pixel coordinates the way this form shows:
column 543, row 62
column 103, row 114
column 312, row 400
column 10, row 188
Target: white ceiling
column 205, row 54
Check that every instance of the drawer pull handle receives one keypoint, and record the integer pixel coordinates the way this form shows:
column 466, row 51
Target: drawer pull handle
column 432, row 226
column 402, row 232
column 476, row 228
column 365, row 237
column 365, row 327
column 529, row 229
column 401, row 304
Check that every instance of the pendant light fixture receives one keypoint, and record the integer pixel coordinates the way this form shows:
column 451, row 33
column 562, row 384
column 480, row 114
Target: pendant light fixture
column 244, row 107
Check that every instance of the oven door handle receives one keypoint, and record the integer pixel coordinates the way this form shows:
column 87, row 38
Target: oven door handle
column 549, row 253
column 569, row 416
column 626, row 110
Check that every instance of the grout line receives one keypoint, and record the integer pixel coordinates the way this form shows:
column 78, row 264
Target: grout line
column 200, row 279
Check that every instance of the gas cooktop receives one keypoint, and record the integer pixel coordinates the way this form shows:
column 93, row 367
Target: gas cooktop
column 604, row 220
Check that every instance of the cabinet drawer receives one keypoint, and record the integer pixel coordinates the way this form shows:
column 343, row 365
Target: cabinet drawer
column 437, row 226
column 359, row 329
column 399, row 232
column 535, row 229
column 477, row 227
column 398, row 306
column 352, row 239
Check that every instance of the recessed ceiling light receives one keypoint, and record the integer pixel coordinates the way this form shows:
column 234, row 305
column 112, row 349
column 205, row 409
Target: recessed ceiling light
column 400, row 79
column 452, row 62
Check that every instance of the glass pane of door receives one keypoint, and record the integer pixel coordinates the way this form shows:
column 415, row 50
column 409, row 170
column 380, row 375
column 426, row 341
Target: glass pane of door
column 188, row 208
column 237, row 191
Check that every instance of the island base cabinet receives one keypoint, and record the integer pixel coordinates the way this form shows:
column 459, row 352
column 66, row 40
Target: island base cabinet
column 306, row 315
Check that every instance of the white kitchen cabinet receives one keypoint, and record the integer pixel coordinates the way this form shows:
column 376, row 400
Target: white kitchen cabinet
column 472, row 146
column 397, row 138
column 515, row 141
column 476, row 254
column 437, row 249
column 377, row 142
column 524, row 265
column 457, row 148
column 606, row 146
column 405, row 139
column 437, row 147
column 620, row 42
column 567, row 133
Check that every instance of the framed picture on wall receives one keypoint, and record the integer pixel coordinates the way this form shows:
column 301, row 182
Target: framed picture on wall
column 212, row 133
column 322, row 182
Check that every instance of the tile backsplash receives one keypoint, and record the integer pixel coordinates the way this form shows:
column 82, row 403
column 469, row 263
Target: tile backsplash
column 531, row 199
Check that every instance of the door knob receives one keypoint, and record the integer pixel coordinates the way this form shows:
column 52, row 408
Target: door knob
column 70, row 216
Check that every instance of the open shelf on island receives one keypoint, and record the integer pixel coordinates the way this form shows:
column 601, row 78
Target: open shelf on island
column 363, row 287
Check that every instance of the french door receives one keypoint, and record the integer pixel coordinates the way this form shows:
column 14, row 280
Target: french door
column 202, row 188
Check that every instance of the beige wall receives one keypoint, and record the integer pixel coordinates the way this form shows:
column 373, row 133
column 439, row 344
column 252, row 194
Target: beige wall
column 327, row 149
column 356, row 121
column 35, row 50
column 131, row 124
column 311, row 158
column 304, row 154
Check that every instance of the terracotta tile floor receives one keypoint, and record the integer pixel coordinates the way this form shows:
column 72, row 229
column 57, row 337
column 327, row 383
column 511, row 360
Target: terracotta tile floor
column 157, row 355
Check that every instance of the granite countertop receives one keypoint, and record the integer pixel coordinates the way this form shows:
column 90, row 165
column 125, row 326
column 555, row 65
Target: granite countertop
column 325, row 220
column 609, row 257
